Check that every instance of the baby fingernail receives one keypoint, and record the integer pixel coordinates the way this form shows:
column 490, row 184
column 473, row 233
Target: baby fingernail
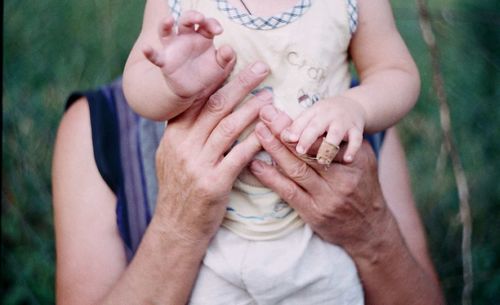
column 259, row 68
column 264, row 95
column 301, row 150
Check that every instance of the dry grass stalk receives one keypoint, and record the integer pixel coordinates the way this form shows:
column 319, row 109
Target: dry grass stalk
column 460, row 178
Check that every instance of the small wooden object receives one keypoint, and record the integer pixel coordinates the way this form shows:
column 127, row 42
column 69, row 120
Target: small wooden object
column 326, row 152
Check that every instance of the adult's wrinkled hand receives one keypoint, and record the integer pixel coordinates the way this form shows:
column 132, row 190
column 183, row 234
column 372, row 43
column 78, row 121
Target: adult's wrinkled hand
column 195, row 167
column 342, row 203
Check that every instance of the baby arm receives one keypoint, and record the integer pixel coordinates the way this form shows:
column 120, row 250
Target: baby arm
column 389, row 86
column 168, row 70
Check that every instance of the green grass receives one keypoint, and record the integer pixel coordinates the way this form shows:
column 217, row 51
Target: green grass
column 53, row 47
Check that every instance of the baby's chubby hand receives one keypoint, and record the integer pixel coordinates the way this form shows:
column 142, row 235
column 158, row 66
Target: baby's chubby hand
column 342, row 118
column 188, row 59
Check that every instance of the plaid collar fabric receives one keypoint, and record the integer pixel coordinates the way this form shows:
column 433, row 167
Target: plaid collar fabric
column 263, row 23
column 175, row 9
column 352, row 11
column 272, row 22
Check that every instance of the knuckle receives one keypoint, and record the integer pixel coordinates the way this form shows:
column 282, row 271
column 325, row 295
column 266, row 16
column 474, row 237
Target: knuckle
column 348, row 185
column 216, row 102
column 204, row 187
column 314, row 127
column 316, row 218
column 357, row 137
column 274, row 146
column 227, row 128
column 245, row 80
column 290, row 192
column 336, row 132
column 233, row 164
column 299, row 171
column 329, row 211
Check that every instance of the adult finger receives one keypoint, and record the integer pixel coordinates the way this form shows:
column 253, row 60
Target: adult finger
column 278, row 123
column 230, row 128
column 224, row 100
column 274, row 119
column 293, row 167
column 239, row 156
column 286, row 188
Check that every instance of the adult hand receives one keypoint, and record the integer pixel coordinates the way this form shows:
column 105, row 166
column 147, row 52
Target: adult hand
column 194, row 168
column 343, row 203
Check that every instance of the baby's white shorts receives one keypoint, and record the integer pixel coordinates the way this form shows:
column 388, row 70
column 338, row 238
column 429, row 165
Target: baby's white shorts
column 299, row 268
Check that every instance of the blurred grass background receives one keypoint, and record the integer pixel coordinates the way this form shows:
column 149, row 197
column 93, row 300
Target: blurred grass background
column 52, row 47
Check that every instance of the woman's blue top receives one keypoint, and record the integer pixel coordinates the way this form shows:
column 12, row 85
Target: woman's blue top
column 124, row 150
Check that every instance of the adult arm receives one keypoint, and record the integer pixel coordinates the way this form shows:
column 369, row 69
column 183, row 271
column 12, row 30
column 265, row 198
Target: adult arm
column 91, row 263
column 345, row 205
column 406, row 271
column 396, row 187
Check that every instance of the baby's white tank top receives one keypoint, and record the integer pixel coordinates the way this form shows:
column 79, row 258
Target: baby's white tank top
column 306, row 48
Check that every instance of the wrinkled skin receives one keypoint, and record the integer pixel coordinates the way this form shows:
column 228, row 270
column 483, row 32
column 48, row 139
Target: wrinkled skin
column 342, row 203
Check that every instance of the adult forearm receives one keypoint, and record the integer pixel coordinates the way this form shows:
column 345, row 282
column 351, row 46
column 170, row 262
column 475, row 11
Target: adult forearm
column 163, row 270
column 389, row 273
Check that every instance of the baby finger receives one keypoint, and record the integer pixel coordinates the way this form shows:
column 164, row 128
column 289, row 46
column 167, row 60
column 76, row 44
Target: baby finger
column 355, row 138
column 154, row 56
column 188, row 21
column 310, row 134
column 335, row 135
column 166, row 29
column 294, row 132
column 209, row 27
column 225, row 57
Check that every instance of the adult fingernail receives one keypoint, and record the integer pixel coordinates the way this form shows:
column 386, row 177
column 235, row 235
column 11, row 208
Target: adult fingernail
column 288, row 136
column 259, row 68
column 268, row 113
column 256, row 166
column 265, row 95
column 262, row 131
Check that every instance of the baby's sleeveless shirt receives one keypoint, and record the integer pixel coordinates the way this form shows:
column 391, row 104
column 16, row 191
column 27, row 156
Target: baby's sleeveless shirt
column 306, row 48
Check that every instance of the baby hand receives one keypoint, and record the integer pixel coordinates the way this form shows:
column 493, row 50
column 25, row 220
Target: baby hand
column 191, row 65
column 343, row 119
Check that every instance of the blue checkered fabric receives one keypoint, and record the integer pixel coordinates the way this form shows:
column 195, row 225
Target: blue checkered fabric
column 175, row 8
column 273, row 22
column 260, row 23
column 352, row 11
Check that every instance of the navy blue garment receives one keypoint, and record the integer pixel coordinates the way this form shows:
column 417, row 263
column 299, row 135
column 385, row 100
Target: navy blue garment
column 124, row 151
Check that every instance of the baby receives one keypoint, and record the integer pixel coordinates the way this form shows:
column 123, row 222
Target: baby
column 264, row 253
